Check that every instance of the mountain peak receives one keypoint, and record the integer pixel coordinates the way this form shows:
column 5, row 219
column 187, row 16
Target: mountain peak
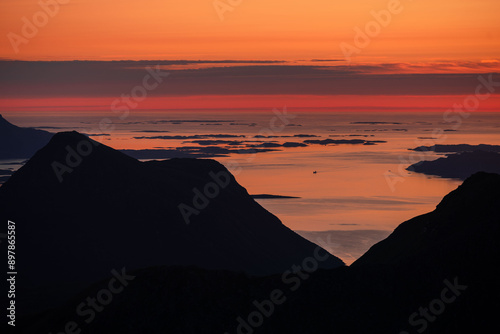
column 94, row 208
column 20, row 143
column 68, row 156
column 75, row 140
column 476, row 193
column 466, row 211
column 480, row 177
column 67, row 138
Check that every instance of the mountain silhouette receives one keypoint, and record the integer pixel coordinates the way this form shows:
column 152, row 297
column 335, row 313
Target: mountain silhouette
column 20, row 143
column 471, row 212
column 83, row 209
column 435, row 274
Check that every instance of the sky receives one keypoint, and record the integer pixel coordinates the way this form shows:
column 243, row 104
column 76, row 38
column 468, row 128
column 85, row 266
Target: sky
column 254, row 29
column 319, row 54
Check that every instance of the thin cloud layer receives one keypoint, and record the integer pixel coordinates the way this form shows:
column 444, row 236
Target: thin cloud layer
column 101, row 79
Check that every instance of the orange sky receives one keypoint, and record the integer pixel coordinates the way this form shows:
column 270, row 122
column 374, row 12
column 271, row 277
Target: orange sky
column 423, row 30
column 428, row 37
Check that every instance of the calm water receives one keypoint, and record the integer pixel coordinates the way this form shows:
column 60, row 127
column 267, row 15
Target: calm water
column 352, row 201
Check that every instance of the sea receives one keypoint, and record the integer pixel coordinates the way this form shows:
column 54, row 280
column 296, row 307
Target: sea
column 339, row 178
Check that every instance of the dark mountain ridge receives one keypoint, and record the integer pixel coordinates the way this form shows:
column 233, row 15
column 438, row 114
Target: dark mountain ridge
column 435, row 274
column 112, row 211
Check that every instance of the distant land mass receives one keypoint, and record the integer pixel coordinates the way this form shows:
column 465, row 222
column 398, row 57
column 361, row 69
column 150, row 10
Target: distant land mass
column 458, row 148
column 20, row 143
column 343, row 141
column 434, row 274
column 92, row 209
column 460, row 166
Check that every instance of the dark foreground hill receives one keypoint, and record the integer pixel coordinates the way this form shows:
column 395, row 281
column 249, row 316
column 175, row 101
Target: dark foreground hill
column 83, row 209
column 435, row 274
column 20, row 143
